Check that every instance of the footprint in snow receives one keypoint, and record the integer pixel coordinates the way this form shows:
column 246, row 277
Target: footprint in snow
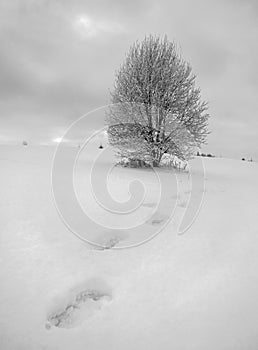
column 109, row 239
column 79, row 304
column 183, row 203
column 149, row 205
column 157, row 219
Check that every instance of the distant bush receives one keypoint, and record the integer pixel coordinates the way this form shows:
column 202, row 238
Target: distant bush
column 205, row 155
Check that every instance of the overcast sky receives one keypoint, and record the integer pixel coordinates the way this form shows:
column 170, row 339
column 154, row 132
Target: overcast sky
column 58, row 60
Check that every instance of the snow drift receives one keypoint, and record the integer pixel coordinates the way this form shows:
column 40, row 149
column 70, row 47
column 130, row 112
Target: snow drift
column 192, row 291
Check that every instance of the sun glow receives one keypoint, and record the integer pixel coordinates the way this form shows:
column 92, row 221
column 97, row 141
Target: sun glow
column 57, row 140
column 88, row 27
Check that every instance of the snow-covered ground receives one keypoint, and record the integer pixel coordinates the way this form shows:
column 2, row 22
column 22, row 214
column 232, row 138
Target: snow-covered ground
column 185, row 292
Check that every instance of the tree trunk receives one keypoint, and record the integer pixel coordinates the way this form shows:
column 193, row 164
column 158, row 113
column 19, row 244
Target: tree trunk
column 156, row 156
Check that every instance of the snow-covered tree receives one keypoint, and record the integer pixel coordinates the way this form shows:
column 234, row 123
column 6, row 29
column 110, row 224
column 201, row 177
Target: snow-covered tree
column 157, row 108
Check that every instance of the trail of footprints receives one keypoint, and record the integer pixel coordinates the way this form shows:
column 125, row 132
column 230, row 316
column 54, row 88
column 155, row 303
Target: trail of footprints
column 95, row 292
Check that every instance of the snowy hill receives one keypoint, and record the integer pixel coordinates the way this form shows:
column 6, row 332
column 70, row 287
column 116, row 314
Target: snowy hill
column 185, row 292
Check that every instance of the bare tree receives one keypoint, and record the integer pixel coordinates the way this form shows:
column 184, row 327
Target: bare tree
column 156, row 107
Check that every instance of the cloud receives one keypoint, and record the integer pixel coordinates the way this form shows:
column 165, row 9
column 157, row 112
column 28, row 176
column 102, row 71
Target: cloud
column 58, row 60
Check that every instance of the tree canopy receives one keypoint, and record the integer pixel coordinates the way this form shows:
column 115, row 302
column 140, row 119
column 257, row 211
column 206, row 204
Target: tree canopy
column 156, row 107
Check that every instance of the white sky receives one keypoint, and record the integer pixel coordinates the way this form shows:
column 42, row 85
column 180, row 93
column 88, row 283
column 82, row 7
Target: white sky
column 58, row 59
